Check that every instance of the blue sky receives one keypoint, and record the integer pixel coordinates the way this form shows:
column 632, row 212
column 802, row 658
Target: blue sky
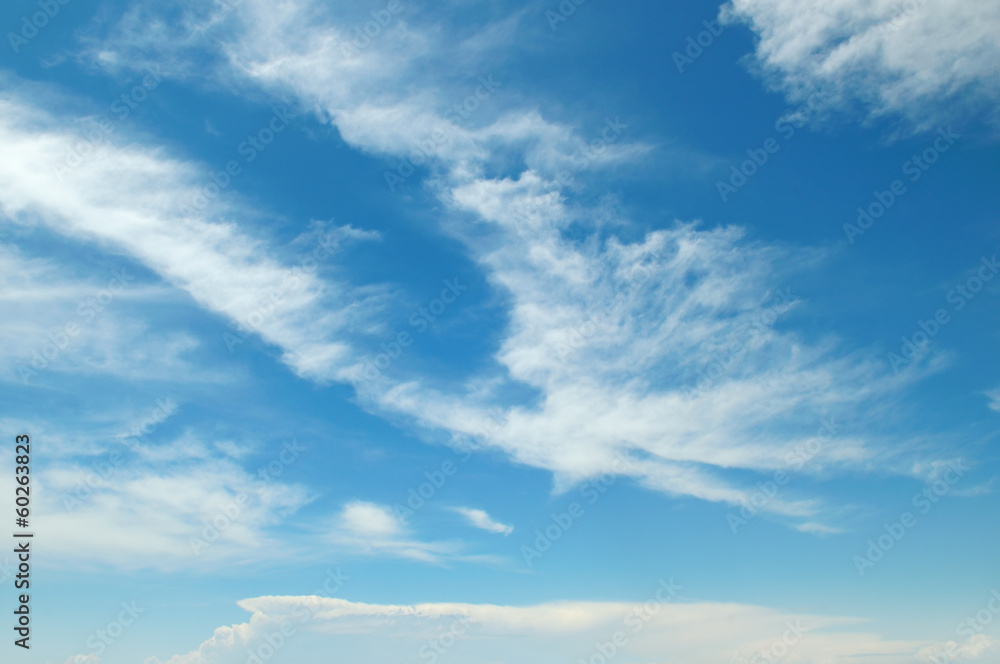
column 506, row 332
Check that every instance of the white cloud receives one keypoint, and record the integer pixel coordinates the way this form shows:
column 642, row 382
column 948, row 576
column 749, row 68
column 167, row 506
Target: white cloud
column 690, row 632
column 975, row 649
column 83, row 659
column 184, row 511
column 480, row 519
column 369, row 519
column 818, row 528
column 369, row 529
column 619, row 339
column 994, row 397
column 82, row 321
column 927, row 60
column 136, row 199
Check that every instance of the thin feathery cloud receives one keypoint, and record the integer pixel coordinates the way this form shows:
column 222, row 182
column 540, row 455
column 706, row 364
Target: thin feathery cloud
column 930, row 61
column 666, row 349
column 369, row 529
column 481, row 519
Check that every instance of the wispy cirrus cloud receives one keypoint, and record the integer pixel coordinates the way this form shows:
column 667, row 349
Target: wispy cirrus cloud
column 369, row 529
column 135, row 199
column 612, row 333
column 929, row 61
column 481, row 519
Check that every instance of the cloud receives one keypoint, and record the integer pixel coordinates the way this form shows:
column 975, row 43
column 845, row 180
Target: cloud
column 135, row 199
column 171, row 506
column 818, row 528
column 370, row 520
column 83, row 659
column 668, row 349
column 74, row 322
column 994, row 397
column 975, row 649
column 660, row 629
column 481, row 519
column 930, row 61
column 368, row 529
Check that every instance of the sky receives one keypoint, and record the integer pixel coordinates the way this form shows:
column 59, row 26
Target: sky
column 502, row 332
